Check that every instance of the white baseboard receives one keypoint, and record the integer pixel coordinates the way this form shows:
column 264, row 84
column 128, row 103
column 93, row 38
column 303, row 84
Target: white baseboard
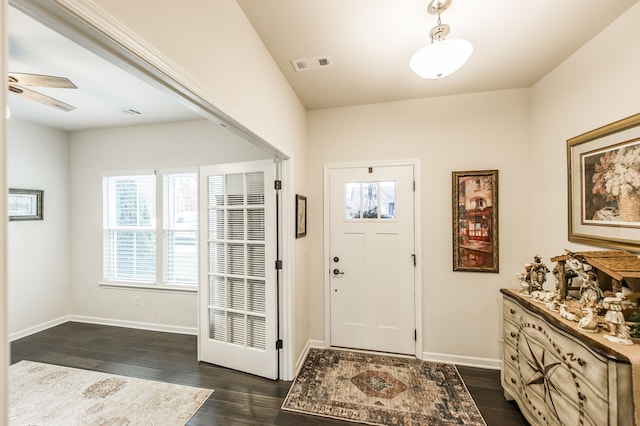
column 38, row 328
column 316, row 344
column 102, row 321
column 467, row 361
column 135, row 324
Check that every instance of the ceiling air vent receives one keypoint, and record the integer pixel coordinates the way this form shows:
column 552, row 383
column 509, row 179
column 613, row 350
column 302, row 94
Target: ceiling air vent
column 129, row 111
column 315, row 63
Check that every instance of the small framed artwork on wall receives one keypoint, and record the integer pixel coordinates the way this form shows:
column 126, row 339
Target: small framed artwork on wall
column 475, row 221
column 301, row 216
column 25, row 204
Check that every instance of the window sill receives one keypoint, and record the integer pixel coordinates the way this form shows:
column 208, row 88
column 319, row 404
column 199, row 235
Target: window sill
column 147, row 287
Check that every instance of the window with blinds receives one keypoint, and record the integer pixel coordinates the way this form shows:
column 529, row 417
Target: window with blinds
column 129, row 228
column 133, row 239
column 237, row 278
column 180, row 228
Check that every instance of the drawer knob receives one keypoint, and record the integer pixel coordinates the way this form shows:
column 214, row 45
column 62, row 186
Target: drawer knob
column 581, row 362
column 513, row 357
column 513, row 334
column 512, row 311
column 582, row 397
column 513, row 380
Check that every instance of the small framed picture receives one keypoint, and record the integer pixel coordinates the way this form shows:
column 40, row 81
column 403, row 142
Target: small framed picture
column 301, row 216
column 25, row 204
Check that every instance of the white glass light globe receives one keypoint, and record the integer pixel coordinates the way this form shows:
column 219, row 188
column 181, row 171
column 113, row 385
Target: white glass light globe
column 441, row 58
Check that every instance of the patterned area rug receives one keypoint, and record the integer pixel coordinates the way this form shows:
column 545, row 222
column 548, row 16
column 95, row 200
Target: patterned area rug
column 42, row 394
column 381, row 390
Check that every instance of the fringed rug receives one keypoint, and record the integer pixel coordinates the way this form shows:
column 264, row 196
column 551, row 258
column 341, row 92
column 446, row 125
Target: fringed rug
column 44, row 394
column 381, row 390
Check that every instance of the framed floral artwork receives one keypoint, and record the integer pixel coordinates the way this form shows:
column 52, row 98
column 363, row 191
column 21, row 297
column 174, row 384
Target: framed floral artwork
column 475, row 221
column 603, row 168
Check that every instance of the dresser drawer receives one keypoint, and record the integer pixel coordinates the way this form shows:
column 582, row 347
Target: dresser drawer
column 573, row 400
column 590, row 367
column 511, row 310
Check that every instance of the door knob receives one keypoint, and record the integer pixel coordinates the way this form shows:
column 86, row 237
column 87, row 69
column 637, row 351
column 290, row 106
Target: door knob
column 337, row 272
column 336, row 259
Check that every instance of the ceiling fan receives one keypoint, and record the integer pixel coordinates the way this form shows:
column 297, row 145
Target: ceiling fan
column 18, row 80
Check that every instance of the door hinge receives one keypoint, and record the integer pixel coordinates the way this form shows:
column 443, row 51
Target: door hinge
column 278, row 264
column 414, row 186
column 414, row 260
column 277, row 185
column 279, row 344
column 415, row 334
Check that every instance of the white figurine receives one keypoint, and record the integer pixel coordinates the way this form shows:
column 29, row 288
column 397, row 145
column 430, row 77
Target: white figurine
column 588, row 322
column 590, row 293
column 618, row 330
column 524, row 279
column 539, row 273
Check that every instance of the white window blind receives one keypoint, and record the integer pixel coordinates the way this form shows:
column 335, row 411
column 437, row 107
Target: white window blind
column 237, row 278
column 180, row 229
column 129, row 228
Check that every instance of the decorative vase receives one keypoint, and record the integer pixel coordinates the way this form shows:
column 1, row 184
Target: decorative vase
column 629, row 208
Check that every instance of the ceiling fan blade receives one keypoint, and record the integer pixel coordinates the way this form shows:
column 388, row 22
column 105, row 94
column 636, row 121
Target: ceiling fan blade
column 39, row 97
column 40, row 80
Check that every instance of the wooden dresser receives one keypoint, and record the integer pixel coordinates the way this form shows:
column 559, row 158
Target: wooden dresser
column 559, row 375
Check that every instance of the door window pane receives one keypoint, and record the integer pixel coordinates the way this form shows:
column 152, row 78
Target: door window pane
column 370, row 200
column 353, row 202
column 388, row 200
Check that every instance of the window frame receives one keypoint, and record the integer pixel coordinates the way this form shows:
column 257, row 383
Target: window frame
column 159, row 282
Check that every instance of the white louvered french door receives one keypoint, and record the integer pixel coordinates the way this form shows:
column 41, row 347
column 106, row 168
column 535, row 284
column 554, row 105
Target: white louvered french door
column 237, row 292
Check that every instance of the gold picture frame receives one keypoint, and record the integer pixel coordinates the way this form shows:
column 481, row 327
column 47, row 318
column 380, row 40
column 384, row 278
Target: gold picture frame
column 603, row 170
column 475, row 221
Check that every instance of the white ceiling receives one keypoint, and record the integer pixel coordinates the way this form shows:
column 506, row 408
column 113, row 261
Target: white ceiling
column 370, row 42
column 103, row 88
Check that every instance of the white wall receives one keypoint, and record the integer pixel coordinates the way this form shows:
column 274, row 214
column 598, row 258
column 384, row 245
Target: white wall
column 215, row 44
column 38, row 251
column 173, row 145
column 467, row 132
column 596, row 86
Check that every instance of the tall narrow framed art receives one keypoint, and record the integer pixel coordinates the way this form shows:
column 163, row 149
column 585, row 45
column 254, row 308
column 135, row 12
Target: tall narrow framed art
column 475, row 221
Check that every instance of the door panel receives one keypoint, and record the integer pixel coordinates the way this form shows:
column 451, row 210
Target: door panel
column 237, row 293
column 372, row 270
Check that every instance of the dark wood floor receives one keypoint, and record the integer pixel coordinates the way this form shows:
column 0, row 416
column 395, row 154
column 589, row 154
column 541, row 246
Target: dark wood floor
column 238, row 398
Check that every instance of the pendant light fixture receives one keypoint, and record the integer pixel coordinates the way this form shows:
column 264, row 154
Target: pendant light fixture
column 441, row 57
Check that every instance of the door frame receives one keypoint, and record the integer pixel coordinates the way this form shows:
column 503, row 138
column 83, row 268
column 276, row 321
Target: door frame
column 417, row 229
column 85, row 24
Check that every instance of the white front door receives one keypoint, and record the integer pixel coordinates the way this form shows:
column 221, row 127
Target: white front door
column 372, row 253
column 237, row 291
